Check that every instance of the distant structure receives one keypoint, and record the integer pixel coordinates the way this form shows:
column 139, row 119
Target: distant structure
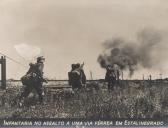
column 91, row 75
column 122, row 75
column 160, row 76
column 150, row 77
column 3, row 72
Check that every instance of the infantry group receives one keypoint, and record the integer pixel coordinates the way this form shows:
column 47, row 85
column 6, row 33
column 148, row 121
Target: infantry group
column 33, row 79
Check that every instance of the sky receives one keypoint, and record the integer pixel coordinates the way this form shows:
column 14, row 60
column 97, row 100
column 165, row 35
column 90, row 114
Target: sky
column 74, row 31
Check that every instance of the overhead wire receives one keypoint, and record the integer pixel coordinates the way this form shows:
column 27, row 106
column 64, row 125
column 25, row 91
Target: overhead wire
column 13, row 60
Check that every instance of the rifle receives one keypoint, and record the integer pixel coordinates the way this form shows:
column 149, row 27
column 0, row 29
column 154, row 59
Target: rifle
column 44, row 80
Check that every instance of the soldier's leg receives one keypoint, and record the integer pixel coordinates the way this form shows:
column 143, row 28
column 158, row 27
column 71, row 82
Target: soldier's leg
column 39, row 91
column 73, row 86
column 26, row 92
column 79, row 86
column 109, row 84
column 113, row 83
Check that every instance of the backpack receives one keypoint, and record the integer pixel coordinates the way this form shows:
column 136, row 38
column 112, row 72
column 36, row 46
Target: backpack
column 110, row 75
column 25, row 79
column 31, row 76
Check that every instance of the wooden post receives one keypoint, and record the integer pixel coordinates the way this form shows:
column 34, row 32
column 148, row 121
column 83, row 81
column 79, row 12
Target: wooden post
column 3, row 72
column 91, row 75
column 150, row 77
column 122, row 75
column 161, row 76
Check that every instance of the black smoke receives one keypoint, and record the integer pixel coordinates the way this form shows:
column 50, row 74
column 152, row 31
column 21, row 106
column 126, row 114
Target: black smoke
column 129, row 55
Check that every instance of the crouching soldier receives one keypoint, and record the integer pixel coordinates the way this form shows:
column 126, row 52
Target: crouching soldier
column 76, row 76
column 33, row 80
column 110, row 77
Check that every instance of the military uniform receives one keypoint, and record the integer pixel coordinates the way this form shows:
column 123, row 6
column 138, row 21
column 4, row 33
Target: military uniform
column 83, row 76
column 33, row 80
column 77, row 76
column 75, row 79
column 110, row 78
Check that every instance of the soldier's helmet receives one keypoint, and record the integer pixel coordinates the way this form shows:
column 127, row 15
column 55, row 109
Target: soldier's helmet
column 40, row 58
column 77, row 65
column 73, row 66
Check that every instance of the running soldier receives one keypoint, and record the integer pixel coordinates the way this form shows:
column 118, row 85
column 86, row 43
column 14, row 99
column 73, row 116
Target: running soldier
column 33, row 80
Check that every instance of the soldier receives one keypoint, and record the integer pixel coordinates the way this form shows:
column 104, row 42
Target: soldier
column 76, row 76
column 110, row 77
column 33, row 80
column 82, row 73
column 72, row 76
column 117, row 73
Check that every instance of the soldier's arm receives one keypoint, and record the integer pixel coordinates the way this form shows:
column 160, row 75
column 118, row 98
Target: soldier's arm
column 69, row 78
column 83, row 76
column 81, row 67
column 28, row 71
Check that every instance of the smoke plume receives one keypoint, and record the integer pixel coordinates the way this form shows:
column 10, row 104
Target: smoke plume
column 28, row 52
column 129, row 55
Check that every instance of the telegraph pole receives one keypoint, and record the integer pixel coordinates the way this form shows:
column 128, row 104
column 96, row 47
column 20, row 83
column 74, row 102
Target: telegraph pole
column 3, row 72
column 91, row 75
